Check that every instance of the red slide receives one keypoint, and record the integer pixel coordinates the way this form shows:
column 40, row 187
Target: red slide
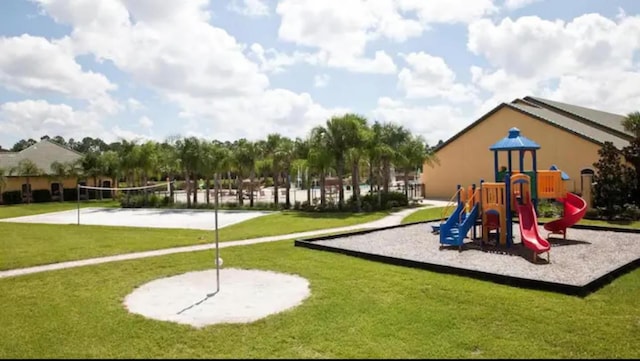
column 574, row 209
column 529, row 229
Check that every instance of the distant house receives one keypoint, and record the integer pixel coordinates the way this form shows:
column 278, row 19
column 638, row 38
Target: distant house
column 569, row 136
column 43, row 154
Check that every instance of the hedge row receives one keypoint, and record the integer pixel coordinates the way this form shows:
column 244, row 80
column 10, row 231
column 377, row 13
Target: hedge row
column 44, row 195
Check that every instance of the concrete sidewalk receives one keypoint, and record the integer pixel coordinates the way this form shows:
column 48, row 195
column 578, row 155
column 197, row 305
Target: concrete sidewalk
column 390, row 220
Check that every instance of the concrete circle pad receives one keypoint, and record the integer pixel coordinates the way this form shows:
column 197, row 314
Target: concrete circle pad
column 245, row 296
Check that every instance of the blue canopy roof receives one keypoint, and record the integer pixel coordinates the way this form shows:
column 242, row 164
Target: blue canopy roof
column 564, row 175
column 514, row 141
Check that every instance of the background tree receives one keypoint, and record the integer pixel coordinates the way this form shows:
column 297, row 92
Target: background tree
column 28, row 169
column 611, row 190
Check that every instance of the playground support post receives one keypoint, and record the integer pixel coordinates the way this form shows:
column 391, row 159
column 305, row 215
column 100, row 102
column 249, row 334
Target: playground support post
column 507, row 213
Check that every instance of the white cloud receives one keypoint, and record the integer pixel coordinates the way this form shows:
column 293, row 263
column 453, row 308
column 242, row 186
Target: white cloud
column 37, row 66
column 449, row 11
column 251, row 8
column 587, row 61
column 428, row 76
column 118, row 133
column 273, row 61
column 198, row 67
column 35, row 118
column 321, row 80
column 145, row 122
column 517, row 4
column 341, row 30
column 436, row 122
column 134, row 104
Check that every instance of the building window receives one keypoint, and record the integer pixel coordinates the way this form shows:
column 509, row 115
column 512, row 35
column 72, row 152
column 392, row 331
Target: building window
column 56, row 189
column 26, row 192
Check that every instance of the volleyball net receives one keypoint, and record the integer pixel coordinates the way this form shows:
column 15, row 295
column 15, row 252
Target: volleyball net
column 152, row 196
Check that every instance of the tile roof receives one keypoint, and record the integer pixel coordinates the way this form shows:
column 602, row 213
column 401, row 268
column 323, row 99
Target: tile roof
column 593, row 125
column 604, row 119
column 43, row 154
column 588, row 131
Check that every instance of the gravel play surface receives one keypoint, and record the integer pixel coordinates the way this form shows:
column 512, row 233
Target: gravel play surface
column 585, row 256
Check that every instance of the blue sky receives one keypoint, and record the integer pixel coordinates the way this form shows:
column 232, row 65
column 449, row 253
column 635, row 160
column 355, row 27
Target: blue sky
column 148, row 69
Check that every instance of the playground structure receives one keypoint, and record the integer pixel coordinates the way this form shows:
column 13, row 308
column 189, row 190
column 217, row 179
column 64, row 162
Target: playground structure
column 492, row 205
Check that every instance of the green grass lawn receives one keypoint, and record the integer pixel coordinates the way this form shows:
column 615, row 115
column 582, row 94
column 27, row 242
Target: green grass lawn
column 599, row 223
column 426, row 214
column 24, row 244
column 357, row 309
column 19, row 210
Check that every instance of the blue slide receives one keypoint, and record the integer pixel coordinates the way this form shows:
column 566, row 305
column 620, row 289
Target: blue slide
column 453, row 232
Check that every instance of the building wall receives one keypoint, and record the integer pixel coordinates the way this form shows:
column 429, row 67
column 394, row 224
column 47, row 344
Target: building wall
column 468, row 159
column 15, row 183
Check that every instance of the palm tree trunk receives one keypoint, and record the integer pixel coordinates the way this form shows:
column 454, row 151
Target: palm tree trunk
column 287, row 183
column 208, row 183
column 406, row 183
column 195, row 190
column 309, row 185
column 275, row 188
column 340, row 175
column 386, row 175
column 355, row 184
column 240, row 191
column 251, row 177
column 188, row 188
column 323, row 192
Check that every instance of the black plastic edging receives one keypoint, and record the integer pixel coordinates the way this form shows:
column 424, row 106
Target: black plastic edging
column 572, row 290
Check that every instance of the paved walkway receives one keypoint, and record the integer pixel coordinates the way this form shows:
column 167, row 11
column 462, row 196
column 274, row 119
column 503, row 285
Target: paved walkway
column 390, row 220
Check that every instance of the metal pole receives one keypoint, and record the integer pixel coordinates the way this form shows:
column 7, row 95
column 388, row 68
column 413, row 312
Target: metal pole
column 78, row 201
column 217, row 187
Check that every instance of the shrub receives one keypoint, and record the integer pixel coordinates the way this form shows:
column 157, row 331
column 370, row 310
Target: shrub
column 70, row 194
column 630, row 212
column 592, row 214
column 41, row 195
column 613, row 185
column 12, row 197
column 549, row 209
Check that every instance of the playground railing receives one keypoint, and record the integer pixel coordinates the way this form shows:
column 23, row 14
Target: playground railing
column 550, row 184
column 451, row 203
column 470, row 202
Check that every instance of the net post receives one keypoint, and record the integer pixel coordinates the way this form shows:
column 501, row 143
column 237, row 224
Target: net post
column 78, row 202
column 217, row 190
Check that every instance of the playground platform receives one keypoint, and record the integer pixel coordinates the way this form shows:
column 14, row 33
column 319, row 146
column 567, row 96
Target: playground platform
column 584, row 262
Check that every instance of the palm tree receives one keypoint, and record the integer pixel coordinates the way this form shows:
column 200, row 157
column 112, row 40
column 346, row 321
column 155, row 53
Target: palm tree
column 246, row 156
column 110, row 167
column 632, row 123
column 285, row 154
column 26, row 168
column 320, row 158
column 392, row 136
column 60, row 171
column 271, row 150
column 301, row 150
column 92, row 167
column 189, row 153
column 413, row 154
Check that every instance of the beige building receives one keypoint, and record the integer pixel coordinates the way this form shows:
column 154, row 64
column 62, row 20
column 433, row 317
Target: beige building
column 43, row 154
column 569, row 137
